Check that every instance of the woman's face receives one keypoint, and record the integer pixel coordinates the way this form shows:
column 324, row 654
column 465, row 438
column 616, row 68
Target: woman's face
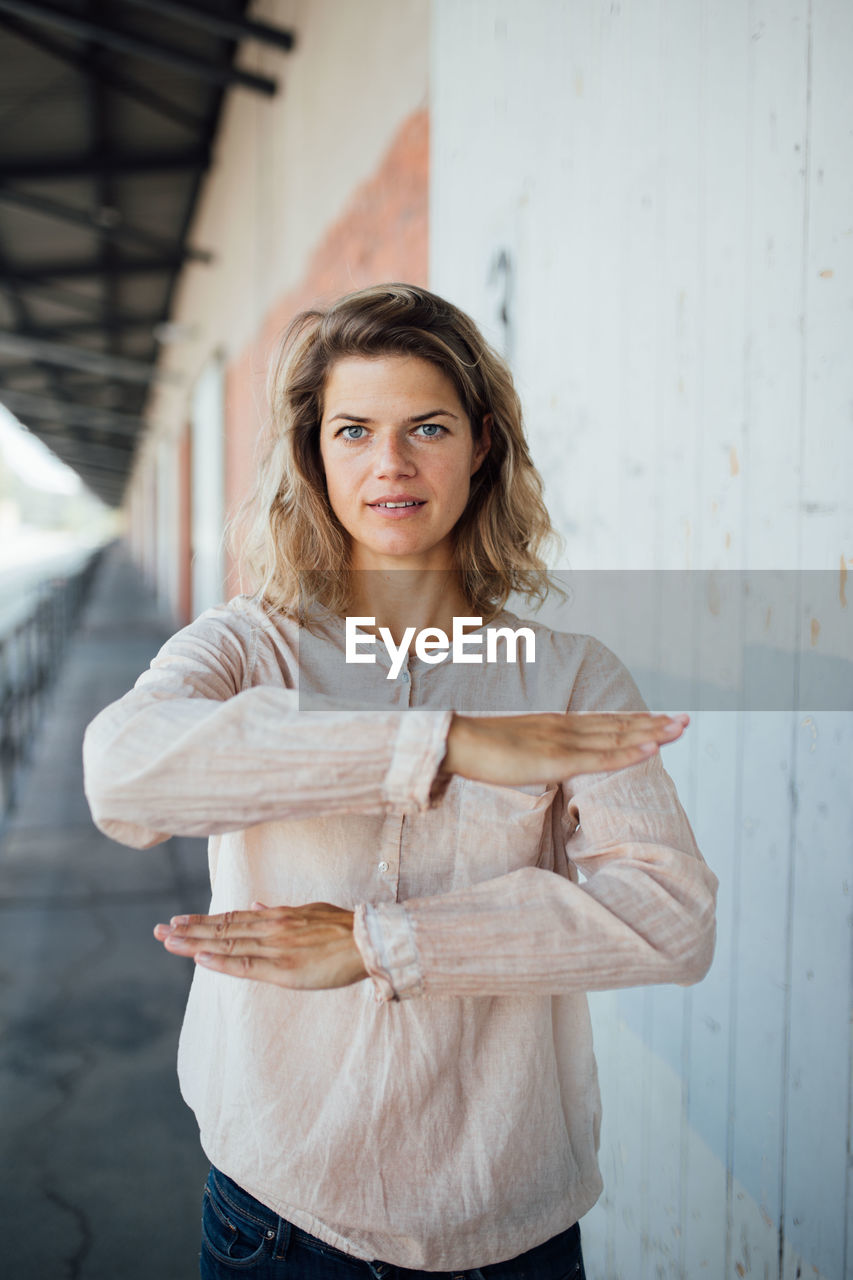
column 394, row 432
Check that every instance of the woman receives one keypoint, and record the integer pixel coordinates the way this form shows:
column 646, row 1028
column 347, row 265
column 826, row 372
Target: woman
column 387, row 1042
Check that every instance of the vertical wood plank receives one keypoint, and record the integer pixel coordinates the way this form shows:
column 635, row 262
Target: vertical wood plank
column 715, row 814
column 758, row 1027
column 826, row 503
column 818, row 1081
column 675, row 297
column 769, row 468
column 678, row 289
column 770, row 479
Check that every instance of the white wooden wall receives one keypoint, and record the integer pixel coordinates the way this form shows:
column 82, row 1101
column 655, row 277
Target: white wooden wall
column 659, row 195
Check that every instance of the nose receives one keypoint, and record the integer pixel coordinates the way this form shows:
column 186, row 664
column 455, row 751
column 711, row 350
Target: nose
column 393, row 456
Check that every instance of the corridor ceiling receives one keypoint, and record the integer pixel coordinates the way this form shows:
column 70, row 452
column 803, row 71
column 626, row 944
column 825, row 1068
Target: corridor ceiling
column 108, row 112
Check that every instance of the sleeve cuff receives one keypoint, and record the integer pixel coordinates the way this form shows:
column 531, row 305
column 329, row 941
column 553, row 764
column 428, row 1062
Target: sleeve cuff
column 419, row 749
column 383, row 934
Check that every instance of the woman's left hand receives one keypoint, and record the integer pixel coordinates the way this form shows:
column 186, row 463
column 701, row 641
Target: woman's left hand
column 308, row 947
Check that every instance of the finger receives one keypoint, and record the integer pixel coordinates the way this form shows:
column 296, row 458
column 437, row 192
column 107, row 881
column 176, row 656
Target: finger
column 180, row 939
column 311, row 973
column 614, row 721
column 602, row 745
column 634, row 723
column 610, row 761
column 220, row 946
column 217, row 927
column 224, row 918
column 257, row 967
column 620, row 741
column 279, row 937
column 208, row 933
column 605, row 737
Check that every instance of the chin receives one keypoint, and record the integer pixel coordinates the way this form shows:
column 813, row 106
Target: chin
column 402, row 549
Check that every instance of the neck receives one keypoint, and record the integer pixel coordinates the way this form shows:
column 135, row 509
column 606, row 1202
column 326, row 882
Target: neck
column 403, row 598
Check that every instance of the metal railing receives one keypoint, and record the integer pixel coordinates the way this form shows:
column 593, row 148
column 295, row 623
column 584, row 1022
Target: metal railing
column 31, row 652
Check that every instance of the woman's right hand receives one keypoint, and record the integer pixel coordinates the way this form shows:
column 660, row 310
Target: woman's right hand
column 548, row 747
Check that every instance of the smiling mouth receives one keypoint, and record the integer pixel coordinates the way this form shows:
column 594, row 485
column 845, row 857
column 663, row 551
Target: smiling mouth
column 391, row 506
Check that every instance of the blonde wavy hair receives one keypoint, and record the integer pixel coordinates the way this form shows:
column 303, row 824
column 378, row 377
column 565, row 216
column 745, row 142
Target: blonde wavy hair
column 287, row 538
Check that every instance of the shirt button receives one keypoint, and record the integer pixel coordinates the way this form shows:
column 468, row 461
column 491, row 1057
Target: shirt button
column 404, row 678
column 383, row 867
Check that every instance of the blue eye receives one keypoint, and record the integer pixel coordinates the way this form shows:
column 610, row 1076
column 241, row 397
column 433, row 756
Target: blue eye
column 430, row 431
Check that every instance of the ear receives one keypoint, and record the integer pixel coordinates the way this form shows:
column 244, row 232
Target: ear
column 482, row 446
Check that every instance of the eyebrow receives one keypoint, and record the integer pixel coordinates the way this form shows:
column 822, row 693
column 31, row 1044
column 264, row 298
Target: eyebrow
column 418, row 417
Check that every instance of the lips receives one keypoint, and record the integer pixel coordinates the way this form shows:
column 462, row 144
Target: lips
column 397, row 501
column 396, row 506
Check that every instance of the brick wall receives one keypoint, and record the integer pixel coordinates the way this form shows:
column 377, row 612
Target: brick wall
column 382, row 234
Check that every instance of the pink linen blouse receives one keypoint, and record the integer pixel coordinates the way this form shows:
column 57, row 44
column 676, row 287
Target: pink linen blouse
column 444, row 1114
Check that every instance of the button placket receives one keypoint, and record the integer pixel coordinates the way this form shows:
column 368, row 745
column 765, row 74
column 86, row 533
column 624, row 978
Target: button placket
column 387, row 866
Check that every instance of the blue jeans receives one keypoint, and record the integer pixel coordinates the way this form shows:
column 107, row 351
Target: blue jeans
column 242, row 1237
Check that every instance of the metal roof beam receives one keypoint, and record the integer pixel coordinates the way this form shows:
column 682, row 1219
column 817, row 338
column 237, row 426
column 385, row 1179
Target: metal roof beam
column 96, row 163
column 106, row 222
column 73, row 413
column 98, row 466
column 105, row 192
column 119, row 367
column 220, row 25
column 81, row 462
column 118, row 82
column 12, row 372
column 85, row 437
column 59, row 331
column 125, row 42
column 117, row 460
column 70, row 270
column 62, row 297
column 116, row 472
column 21, row 310
column 110, row 492
column 109, row 476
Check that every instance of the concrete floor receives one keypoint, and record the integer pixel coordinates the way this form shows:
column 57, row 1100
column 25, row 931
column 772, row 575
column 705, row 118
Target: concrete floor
column 101, row 1173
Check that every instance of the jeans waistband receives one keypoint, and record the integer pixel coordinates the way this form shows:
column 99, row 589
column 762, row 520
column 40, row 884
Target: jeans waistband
column 267, row 1218
column 285, row 1234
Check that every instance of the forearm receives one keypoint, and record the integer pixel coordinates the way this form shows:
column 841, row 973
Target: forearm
column 532, row 931
column 158, row 766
